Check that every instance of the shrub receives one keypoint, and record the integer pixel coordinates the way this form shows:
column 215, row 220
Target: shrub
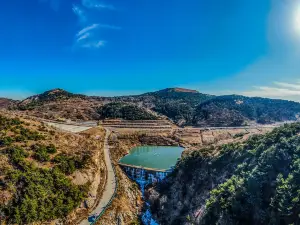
column 68, row 164
column 17, row 154
column 44, row 195
column 42, row 152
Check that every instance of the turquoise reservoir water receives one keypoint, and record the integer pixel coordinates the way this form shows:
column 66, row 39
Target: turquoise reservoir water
column 155, row 157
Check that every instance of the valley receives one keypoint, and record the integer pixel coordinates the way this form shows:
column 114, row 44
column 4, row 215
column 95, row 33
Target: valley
column 150, row 112
column 223, row 139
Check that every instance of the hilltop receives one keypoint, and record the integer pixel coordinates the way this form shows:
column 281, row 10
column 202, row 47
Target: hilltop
column 184, row 107
column 58, row 104
column 48, row 96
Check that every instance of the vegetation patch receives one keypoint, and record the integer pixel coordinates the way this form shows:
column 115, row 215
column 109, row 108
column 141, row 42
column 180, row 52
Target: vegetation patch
column 254, row 182
column 68, row 165
column 41, row 194
column 31, row 192
column 124, row 111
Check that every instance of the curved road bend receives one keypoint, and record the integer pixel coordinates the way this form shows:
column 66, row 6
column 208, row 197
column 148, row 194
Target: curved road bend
column 111, row 179
column 109, row 187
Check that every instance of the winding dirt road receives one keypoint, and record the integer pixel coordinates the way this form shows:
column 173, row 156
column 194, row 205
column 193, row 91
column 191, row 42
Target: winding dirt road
column 110, row 186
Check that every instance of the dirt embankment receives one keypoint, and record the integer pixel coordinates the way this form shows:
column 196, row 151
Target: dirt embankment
column 88, row 142
column 95, row 174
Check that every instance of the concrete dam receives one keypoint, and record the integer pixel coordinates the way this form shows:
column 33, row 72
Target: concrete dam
column 144, row 176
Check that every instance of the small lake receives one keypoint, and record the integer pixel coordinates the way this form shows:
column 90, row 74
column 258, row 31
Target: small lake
column 155, row 157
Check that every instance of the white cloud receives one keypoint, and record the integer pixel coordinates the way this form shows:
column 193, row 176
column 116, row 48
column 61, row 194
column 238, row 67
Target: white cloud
column 88, row 28
column 79, row 12
column 89, row 36
column 107, row 26
column 287, row 85
column 281, row 90
column 84, row 36
column 94, row 44
column 94, row 4
column 94, row 26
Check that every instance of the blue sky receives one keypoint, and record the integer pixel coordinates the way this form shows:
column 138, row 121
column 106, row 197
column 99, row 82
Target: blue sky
column 115, row 47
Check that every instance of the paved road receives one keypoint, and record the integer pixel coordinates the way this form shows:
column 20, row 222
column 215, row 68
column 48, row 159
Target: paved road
column 110, row 185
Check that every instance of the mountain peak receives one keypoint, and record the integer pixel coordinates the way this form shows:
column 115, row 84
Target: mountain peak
column 56, row 94
column 56, row 91
column 178, row 89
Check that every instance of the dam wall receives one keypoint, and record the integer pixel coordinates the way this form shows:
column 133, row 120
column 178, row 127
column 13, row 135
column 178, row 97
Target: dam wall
column 144, row 176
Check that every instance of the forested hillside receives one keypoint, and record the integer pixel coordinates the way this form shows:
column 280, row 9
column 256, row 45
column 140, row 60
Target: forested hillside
column 254, row 182
column 235, row 110
column 176, row 103
column 187, row 107
column 34, row 183
column 124, row 111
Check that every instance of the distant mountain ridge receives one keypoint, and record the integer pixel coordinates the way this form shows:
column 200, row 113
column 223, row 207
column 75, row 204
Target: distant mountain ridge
column 236, row 110
column 182, row 106
column 177, row 89
column 7, row 103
